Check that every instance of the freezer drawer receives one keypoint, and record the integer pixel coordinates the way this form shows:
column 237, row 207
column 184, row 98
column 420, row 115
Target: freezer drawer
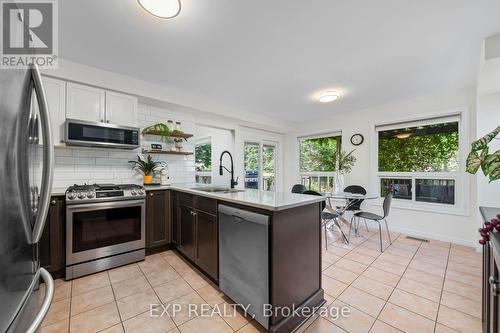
column 244, row 259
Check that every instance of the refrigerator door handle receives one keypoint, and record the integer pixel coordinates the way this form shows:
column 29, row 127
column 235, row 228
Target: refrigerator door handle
column 49, row 294
column 48, row 156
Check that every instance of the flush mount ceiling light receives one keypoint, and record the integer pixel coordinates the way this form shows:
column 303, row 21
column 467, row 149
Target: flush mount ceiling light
column 165, row 9
column 328, row 96
column 403, row 135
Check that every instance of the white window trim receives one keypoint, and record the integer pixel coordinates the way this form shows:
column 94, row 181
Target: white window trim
column 329, row 174
column 203, row 141
column 462, row 180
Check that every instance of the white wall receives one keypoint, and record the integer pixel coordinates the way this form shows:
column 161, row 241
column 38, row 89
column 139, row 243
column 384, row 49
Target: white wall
column 488, row 118
column 77, row 165
column 456, row 228
column 221, row 139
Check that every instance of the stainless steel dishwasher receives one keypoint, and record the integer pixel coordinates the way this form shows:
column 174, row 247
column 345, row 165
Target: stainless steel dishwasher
column 244, row 259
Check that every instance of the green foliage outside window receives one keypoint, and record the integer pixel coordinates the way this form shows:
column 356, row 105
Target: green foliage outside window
column 432, row 148
column 203, row 157
column 319, row 155
column 251, row 156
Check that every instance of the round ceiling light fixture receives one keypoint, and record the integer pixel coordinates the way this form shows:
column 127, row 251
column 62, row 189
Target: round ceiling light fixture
column 165, row 9
column 328, row 96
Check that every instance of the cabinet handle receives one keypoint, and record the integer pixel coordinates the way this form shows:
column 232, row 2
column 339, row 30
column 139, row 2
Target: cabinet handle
column 151, row 194
column 52, row 202
column 107, row 121
column 102, row 120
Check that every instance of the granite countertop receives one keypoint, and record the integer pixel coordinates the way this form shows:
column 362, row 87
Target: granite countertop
column 255, row 198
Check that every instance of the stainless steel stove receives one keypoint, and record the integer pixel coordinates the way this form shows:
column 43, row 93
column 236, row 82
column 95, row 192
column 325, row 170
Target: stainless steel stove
column 105, row 227
column 103, row 192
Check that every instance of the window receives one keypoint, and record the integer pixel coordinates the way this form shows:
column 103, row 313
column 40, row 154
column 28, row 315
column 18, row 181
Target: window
column 260, row 156
column 203, row 161
column 317, row 161
column 418, row 161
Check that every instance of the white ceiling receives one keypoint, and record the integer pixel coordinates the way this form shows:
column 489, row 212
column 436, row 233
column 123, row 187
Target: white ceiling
column 271, row 57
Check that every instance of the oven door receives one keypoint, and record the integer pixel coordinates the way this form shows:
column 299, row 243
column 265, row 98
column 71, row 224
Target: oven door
column 98, row 230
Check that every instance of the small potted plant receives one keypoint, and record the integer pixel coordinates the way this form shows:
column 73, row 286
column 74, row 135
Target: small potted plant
column 178, row 143
column 147, row 167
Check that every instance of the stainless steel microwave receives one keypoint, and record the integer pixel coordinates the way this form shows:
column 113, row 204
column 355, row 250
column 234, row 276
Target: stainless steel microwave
column 96, row 134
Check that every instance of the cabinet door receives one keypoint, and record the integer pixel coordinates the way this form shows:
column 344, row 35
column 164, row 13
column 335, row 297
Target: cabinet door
column 84, row 102
column 55, row 92
column 206, row 240
column 52, row 244
column 186, row 226
column 121, row 109
column 158, row 222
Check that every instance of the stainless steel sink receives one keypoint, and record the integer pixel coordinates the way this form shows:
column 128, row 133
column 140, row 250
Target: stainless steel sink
column 217, row 189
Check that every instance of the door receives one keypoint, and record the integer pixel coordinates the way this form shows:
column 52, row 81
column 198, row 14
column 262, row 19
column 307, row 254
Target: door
column 186, row 227
column 121, row 109
column 206, row 239
column 85, row 102
column 104, row 229
column 157, row 218
column 260, row 165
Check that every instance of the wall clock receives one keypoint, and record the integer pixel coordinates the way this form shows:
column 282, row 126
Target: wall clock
column 357, row 139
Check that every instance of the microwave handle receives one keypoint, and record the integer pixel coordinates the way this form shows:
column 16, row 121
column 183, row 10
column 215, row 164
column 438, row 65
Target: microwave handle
column 48, row 156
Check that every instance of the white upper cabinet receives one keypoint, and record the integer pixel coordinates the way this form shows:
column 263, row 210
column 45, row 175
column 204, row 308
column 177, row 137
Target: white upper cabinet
column 85, row 102
column 121, row 109
column 55, row 93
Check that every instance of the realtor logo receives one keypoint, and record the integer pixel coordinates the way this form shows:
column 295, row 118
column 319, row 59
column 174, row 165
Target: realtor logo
column 29, row 33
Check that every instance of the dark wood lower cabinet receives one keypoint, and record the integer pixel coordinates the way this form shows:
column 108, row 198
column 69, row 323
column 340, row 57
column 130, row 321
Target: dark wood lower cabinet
column 206, row 256
column 52, row 246
column 197, row 231
column 186, row 228
column 158, row 219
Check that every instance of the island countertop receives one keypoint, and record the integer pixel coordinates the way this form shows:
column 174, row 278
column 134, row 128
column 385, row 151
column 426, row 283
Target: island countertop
column 267, row 200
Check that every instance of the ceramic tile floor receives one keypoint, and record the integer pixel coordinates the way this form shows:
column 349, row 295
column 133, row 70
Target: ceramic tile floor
column 412, row 287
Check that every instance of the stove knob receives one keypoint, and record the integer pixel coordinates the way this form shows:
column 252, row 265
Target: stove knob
column 90, row 195
column 71, row 196
column 140, row 192
column 133, row 192
column 81, row 195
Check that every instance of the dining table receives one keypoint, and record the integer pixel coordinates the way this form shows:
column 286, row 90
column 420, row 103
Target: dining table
column 349, row 200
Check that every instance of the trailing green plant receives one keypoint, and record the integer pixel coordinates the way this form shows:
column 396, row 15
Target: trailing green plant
column 162, row 129
column 147, row 166
column 480, row 156
column 345, row 161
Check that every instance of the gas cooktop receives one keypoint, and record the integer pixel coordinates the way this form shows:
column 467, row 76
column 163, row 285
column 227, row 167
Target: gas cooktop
column 103, row 192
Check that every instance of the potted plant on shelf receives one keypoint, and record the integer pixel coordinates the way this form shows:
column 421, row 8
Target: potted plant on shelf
column 344, row 163
column 147, row 167
column 480, row 157
column 163, row 131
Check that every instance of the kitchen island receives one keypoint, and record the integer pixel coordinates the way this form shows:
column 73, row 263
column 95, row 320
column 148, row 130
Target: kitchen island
column 292, row 256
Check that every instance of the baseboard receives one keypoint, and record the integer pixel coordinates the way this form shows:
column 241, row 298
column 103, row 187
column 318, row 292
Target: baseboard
column 161, row 248
column 420, row 234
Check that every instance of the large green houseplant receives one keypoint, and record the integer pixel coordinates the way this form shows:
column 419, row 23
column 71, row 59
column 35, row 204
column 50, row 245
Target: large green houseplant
column 147, row 167
column 480, row 157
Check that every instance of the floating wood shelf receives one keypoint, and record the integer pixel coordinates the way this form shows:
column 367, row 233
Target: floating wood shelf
column 168, row 152
column 172, row 135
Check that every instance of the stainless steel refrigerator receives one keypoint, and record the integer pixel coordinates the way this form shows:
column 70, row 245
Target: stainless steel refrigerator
column 26, row 168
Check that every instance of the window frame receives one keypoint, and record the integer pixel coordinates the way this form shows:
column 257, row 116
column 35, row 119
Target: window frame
column 206, row 173
column 462, row 180
column 316, row 174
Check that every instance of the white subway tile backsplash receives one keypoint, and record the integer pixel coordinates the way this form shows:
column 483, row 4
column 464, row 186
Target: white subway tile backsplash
column 78, row 165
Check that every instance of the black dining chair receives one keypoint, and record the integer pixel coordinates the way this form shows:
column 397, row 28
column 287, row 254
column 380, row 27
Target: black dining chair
column 378, row 218
column 299, row 188
column 354, row 205
column 326, row 217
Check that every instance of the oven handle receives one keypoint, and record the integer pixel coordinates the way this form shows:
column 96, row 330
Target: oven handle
column 107, row 204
